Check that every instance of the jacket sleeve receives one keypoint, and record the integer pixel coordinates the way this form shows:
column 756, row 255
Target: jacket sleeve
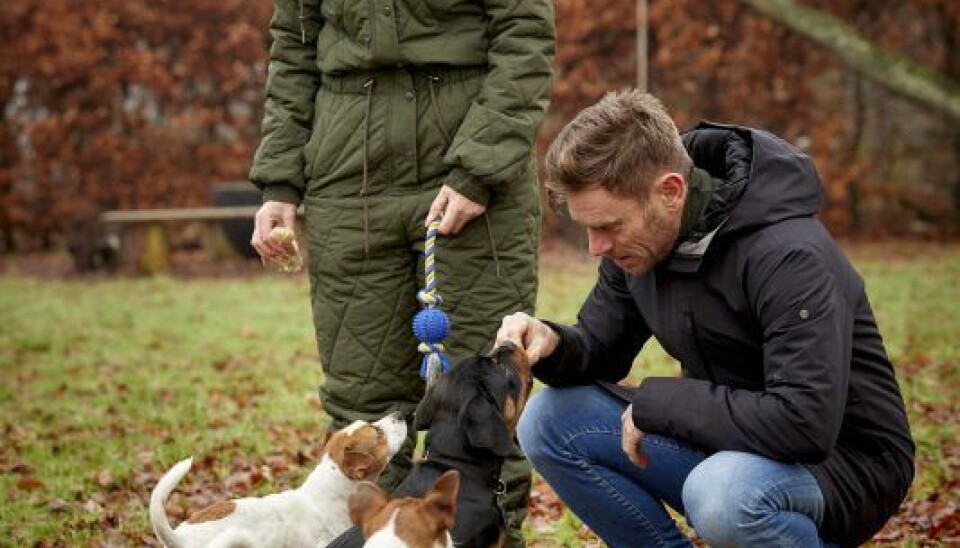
column 493, row 143
column 293, row 79
column 807, row 327
column 606, row 339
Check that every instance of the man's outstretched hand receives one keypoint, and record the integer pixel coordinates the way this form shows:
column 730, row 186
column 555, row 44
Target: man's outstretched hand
column 632, row 438
column 535, row 337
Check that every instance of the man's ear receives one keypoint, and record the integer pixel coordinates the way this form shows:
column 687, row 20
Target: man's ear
column 483, row 426
column 671, row 189
column 367, row 500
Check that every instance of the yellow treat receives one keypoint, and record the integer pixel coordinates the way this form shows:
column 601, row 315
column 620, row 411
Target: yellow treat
column 290, row 261
column 281, row 235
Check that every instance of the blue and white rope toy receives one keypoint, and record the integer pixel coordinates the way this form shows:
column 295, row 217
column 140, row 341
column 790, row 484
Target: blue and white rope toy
column 431, row 324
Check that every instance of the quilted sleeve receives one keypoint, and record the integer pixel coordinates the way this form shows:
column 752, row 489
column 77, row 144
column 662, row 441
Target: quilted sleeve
column 492, row 145
column 293, row 79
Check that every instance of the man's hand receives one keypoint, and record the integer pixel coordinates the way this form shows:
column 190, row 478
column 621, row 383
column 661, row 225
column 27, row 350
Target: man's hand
column 632, row 437
column 535, row 337
column 270, row 216
column 454, row 210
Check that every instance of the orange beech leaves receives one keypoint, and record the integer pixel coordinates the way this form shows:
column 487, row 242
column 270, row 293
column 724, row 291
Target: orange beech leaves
column 131, row 104
column 120, row 104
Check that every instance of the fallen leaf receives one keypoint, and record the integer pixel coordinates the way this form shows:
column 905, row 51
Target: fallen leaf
column 30, row 483
column 104, row 478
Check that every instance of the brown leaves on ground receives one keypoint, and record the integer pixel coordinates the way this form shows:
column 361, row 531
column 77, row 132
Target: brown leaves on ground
column 225, row 473
column 935, row 519
column 112, row 502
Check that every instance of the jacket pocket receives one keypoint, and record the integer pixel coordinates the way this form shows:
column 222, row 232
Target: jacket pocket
column 345, row 137
column 451, row 101
column 727, row 359
column 312, row 147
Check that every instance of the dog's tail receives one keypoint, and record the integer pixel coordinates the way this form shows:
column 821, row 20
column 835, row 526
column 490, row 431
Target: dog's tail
column 158, row 515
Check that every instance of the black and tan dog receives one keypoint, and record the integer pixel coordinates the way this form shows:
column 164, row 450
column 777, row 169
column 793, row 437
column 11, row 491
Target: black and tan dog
column 471, row 414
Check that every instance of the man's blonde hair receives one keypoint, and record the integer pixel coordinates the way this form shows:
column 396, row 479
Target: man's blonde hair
column 621, row 143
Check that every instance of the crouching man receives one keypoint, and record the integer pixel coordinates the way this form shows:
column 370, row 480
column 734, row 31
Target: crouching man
column 786, row 426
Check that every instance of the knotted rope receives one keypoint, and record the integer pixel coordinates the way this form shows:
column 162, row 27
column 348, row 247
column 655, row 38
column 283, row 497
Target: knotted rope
column 431, row 325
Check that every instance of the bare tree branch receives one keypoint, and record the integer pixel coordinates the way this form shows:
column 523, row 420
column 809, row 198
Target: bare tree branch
column 892, row 70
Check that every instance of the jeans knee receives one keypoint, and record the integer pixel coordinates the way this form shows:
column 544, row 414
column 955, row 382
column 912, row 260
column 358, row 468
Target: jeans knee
column 529, row 433
column 539, row 430
column 717, row 505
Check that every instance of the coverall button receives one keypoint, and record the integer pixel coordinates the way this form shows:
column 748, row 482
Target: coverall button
column 409, row 95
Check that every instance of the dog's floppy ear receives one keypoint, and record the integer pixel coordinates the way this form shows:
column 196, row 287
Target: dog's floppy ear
column 367, row 500
column 482, row 424
column 427, row 409
column 358, row 465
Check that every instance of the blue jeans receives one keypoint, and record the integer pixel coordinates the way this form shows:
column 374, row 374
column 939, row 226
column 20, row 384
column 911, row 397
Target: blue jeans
column 572, row 437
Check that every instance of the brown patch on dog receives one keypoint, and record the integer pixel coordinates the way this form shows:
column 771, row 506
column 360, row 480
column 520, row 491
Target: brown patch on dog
column 215, row 511
column 419, row 522
column 361, row 454
column 510, row 410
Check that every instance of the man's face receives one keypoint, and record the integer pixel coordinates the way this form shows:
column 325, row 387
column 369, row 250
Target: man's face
column 634, row 234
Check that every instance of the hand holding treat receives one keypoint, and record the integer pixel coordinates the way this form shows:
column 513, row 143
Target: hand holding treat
column 290, row 260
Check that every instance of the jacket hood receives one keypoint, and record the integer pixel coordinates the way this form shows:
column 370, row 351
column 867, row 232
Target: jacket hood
column 762, row 178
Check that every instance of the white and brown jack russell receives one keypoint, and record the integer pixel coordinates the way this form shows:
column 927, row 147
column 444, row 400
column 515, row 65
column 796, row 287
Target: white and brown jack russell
column 309, row 516
column 407, row 522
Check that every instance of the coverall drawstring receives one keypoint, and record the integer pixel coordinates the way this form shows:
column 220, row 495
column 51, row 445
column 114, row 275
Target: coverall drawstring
column 303, row 29
column 363, row 186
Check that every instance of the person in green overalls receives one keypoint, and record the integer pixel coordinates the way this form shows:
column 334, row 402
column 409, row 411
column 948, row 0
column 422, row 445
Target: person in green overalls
column 380, row 116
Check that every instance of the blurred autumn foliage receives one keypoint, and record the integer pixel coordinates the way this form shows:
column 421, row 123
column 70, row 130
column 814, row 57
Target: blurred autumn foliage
column 890, row 166
column 131, row 104
column 123, row 104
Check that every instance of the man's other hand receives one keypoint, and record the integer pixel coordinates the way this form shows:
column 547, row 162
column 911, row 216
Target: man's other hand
column 632, row 438
column 535, row 337
column 271, row 215
column 454, row 211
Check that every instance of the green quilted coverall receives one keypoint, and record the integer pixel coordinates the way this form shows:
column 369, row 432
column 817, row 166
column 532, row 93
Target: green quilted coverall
column 372, row 106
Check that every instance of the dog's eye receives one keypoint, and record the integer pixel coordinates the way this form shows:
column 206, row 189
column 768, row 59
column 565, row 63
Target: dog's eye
column 380, row 434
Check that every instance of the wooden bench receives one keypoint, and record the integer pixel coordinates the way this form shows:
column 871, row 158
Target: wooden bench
column 141, row 236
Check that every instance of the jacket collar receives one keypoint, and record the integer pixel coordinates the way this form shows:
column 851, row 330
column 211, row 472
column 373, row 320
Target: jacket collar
column 695, row 233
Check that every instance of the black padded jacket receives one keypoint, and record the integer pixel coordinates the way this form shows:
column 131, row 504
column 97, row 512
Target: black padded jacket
column 780, row 352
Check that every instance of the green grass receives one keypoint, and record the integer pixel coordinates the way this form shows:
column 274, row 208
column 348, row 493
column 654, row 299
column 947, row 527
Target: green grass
column 106, row 383
column 100, row 376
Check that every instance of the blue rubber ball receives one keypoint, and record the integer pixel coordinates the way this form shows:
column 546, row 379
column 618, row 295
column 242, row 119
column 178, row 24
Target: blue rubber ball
column 431, row 325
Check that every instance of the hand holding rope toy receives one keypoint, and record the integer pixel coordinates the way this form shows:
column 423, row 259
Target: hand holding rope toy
column 431, row 324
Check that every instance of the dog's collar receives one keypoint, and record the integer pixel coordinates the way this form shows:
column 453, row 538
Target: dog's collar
column 484, row 473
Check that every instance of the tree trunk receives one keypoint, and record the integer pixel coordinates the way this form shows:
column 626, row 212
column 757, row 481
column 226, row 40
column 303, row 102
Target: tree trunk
column 894, row 71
